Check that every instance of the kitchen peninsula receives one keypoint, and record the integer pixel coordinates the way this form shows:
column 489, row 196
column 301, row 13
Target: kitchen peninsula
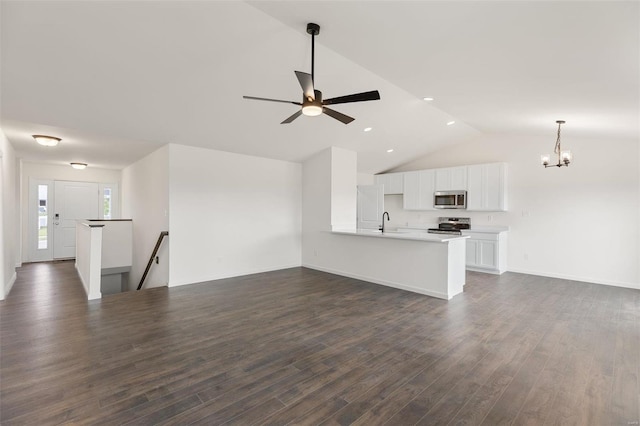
column 423, row 263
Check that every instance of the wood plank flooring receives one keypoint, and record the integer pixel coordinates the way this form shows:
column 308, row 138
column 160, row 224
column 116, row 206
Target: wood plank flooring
column 301, row 347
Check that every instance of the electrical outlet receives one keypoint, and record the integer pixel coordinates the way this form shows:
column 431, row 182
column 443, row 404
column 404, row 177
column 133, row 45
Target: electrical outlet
column 490, row 218
column 526, row 256
column 315, row 252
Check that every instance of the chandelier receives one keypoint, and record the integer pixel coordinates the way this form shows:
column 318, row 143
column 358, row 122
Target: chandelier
column 564, row 157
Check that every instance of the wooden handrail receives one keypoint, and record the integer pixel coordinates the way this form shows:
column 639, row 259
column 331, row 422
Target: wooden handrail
column 153, row 255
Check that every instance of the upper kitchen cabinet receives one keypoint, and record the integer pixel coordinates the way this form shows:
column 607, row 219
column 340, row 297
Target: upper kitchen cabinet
column 418, row 190
column 451, row 179
column 486, row 187
column 370, row 206
column 393, row 183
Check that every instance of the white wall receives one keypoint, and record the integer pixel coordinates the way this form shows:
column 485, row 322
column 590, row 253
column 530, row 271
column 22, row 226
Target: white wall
column 56, row 172
column 329, row 200
column 9, row 216
column 344, row 181
column 366, row 179
column 145, row 200
column 231, row 214
column 578, row 223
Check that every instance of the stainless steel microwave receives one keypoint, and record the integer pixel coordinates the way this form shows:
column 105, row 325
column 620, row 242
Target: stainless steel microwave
column 450, row 199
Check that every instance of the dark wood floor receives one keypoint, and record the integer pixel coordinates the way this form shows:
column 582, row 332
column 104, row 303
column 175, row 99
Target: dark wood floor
column 303, row 347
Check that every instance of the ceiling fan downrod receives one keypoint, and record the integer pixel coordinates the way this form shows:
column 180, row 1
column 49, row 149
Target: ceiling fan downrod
column 314, row 30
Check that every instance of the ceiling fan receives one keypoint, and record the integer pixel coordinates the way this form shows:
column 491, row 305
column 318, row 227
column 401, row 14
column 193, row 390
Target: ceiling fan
column 312, row 103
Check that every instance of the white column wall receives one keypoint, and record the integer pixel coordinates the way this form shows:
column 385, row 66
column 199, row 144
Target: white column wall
column 344, row 192
column 9, row 216
column 145, row 200
column 231, row 214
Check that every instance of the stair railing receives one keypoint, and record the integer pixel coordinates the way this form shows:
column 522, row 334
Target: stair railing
column 153, row 256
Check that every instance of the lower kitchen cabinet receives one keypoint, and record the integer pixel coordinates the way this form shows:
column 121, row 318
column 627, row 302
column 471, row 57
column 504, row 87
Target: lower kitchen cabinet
column 486, row 251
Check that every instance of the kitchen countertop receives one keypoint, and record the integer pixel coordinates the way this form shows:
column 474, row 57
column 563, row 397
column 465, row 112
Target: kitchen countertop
column 413, row 236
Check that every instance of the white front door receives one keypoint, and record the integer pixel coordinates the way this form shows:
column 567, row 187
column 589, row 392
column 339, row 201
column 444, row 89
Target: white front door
column 73, row 201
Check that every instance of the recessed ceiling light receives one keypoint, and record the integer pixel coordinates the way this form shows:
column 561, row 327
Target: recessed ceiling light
column 79, row 166
column 46, row 140
column 450, row 123
column 428, row 99
column 390, row 150
column 368, row 129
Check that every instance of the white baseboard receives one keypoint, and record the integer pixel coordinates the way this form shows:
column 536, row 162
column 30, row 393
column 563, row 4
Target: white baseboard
column 377, row 281
column 578, row 278
column 240, row 274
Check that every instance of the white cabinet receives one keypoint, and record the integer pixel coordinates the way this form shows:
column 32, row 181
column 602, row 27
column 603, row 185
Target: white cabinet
column 486, row 252
column 451, row 179
column 486, row 187
column 418, row 190
column 393, row 183
column 370, row 206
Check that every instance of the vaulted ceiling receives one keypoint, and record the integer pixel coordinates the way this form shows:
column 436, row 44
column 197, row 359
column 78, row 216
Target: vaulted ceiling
column 116, row 80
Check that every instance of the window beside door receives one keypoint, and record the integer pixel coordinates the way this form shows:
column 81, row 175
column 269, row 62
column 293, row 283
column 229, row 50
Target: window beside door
column 43, row 218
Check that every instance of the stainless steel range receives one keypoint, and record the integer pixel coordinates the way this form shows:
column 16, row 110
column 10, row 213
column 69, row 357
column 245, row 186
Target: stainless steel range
column 451, row 225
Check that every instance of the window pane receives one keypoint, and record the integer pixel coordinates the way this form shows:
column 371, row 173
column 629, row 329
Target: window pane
column 43, row 226
column 107, row 203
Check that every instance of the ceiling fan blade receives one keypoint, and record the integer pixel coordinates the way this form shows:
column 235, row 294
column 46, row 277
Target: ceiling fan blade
column 271, row 100
column 373, row 95
column 293, row 117
column 306, row 82
column 338, row 115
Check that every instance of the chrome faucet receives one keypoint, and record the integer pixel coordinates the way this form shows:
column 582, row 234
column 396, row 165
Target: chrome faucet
column 382, row 226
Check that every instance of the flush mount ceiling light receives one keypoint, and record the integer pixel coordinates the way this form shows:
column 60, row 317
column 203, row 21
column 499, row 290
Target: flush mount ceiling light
column 427, row 98
column 451, row 123
column 390, row 150
column 367, row 129
column 79, row 166
column 46, row 140
column 564, row 157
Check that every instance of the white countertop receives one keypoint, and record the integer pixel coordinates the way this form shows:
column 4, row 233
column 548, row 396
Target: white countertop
column 414, row 236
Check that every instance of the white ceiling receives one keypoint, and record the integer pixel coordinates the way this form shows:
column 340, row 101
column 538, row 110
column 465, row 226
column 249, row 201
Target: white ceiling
column 116, row 80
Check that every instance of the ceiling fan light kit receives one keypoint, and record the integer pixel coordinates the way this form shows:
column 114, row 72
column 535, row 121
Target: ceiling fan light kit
column 312, row 103
column 312, row 107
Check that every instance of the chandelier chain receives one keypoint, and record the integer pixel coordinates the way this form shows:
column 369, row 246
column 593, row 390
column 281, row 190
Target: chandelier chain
column 557, row 148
